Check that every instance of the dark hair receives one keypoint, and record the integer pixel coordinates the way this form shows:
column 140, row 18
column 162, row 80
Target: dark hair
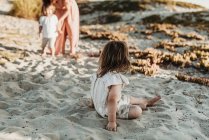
column 114, row 57
column 45, row 5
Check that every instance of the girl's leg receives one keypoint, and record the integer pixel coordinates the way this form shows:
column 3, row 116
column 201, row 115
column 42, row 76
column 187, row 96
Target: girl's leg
column 134, row 112
column 44, row 51
column 53, row 52
column 144, row 103
column 52, row 45
column 60, row 41
column 43, row 46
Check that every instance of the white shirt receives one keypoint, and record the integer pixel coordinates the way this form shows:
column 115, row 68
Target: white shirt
column 49, row 25
column 100, row 90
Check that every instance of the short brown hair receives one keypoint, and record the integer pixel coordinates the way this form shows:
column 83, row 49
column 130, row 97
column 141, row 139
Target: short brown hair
column 114, row 57
column 45, row 7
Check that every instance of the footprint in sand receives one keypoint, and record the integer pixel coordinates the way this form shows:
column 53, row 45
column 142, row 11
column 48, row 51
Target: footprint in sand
column 204, row 125
column 39, row 79
column 14, row 111
column 157, row 109
column 27, row 85
column 6, row 77
column 85, row 102
column 23, row 68
column 3, row 114
column 179, row 99
column 52, row 136
column 75, row 95
column 163, row 116
column 11, row 89
column 36, row 100
column 3, row 105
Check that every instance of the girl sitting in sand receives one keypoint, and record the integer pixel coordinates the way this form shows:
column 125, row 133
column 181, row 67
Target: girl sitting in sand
column 48, row 24
column 107, row 83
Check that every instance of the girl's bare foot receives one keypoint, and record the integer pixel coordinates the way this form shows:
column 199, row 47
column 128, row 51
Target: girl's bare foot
column 53, row 57
column 147, row 103
column 43, row 55
column 152, row 101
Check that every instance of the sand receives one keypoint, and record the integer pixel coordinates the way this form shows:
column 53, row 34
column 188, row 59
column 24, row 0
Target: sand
column 46, row 99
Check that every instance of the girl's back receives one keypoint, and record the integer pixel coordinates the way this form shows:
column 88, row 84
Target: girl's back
column 100, row 87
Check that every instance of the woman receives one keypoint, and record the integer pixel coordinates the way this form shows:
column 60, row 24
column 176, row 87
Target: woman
column 68, row 14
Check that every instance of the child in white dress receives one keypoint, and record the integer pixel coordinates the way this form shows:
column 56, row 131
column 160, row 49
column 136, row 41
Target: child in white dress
column 48, row 24
column 107, row 83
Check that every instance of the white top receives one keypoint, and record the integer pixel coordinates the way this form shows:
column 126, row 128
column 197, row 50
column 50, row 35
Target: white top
column 100, row 90
column 49, row 25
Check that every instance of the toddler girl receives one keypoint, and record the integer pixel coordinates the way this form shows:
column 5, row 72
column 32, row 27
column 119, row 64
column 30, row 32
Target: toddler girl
column 107, row 83
column 48, row 23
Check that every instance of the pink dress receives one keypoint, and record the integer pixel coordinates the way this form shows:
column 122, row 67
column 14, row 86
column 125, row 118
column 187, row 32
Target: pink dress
column 70, row 26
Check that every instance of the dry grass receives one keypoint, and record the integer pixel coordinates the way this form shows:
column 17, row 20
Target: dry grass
column 2, row 62
column 87, row 7
column 173, row 3
column 30, row 9
column 8, row 56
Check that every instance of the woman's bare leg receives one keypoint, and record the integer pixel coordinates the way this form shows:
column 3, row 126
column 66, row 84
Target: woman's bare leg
column 44, row 51
column 71, row 39
column 60, row 42
column 64, row 40
column 144, row 103
column 74, row 26
column 73, row 34
column 43, row 46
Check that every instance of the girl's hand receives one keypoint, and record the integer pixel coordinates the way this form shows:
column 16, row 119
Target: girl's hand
column 59, row 26
column 111, row 126
column 60, row 22
column 60, row 31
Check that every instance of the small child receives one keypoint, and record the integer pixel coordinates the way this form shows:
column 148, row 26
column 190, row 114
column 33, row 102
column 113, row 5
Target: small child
column 107, row 83
column 48, row 23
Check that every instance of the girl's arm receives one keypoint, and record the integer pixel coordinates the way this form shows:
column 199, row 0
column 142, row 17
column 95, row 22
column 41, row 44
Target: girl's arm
column 41, row 20
column 113, row 98
column 40, row 30
column 40, row 25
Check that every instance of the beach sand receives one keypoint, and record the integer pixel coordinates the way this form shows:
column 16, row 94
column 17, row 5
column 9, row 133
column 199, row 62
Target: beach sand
column 46, row 99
